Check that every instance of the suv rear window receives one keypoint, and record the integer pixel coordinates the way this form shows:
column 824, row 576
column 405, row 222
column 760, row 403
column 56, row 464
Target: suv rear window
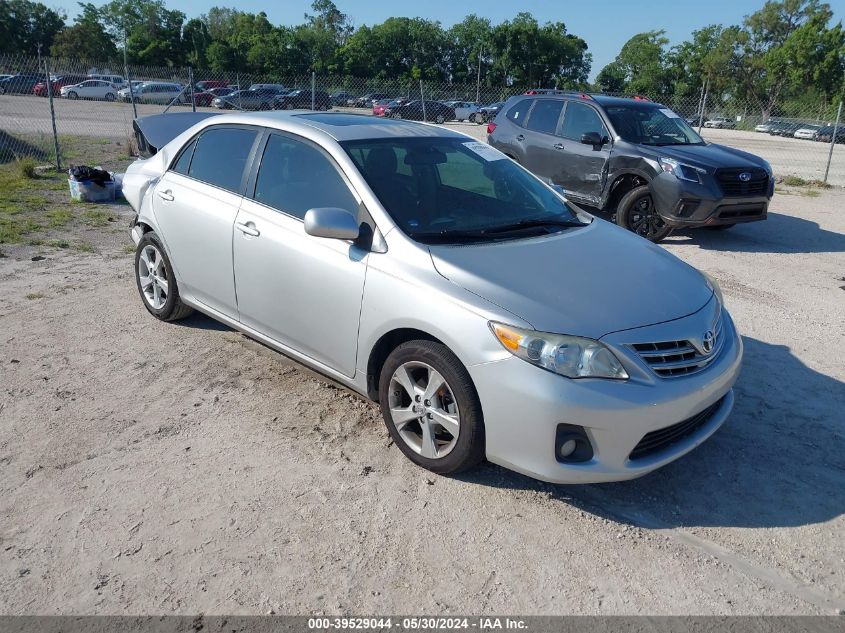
column 544, row 115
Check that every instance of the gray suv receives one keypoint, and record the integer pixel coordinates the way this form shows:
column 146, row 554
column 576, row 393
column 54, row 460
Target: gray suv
column 635, row 159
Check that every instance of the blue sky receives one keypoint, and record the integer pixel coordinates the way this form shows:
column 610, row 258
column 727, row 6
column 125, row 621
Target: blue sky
column 604, row 24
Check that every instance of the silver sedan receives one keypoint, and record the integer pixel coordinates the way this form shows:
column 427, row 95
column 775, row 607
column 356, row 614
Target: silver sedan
column 487, row 315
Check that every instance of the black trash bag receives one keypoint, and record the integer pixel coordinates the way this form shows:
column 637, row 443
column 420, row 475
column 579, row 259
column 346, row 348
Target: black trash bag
column 83, row 172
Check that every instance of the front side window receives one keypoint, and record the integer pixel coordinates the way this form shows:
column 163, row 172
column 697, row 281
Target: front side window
column 579, row 120
column 220, row 157
column 544, row 116
column 295, row 176
column 451, row 189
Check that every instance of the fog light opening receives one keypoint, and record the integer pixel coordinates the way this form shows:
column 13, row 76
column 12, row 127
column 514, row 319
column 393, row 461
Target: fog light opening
column 567, row 448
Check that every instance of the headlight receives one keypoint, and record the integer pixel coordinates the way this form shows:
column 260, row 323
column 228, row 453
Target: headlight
column 570, row 356
column 681, row 171
column 714, row 286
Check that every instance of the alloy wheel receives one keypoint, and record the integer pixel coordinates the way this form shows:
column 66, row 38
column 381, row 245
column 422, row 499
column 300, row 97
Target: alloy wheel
column 423, row 410
column 152, row 275
column 643, row 218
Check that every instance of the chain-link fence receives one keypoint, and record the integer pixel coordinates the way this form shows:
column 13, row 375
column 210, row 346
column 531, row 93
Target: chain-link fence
column 88, row 100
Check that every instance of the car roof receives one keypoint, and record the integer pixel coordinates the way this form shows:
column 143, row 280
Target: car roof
column 341, row 126
column 600, row 99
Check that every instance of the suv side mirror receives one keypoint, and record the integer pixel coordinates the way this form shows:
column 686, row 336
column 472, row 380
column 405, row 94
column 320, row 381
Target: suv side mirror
column 593, row 138
column 333, row 223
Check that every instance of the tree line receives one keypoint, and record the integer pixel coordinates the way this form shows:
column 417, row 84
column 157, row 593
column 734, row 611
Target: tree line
column 787, row 55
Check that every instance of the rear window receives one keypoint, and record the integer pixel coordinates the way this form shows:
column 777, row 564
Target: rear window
column 519, row 111
column 544, row 116
column 220, row 157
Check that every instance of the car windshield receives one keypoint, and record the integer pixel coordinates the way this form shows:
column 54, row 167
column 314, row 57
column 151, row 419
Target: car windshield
column 449, row 190
column 651, row 125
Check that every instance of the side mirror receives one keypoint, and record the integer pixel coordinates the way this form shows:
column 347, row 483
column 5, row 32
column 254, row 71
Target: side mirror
column 593, row 138
column 333, row 223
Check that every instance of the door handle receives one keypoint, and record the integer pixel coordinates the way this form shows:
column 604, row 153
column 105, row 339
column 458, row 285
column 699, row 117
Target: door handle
column 520, row 137
column 558, row 145
column 247, row 228
column 166, row 195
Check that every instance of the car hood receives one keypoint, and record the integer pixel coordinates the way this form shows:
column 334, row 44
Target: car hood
column 710, row 156
column 586, row 281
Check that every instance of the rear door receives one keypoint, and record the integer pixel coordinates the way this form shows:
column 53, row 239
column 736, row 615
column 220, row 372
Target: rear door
column 196, row 202
column 544, row 152
column 583, row 172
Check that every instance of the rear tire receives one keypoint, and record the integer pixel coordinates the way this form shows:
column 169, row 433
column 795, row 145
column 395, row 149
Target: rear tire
column 110, row 96
column 425, row 377
column 636, row 213
column 440, row 119
column 152, row 267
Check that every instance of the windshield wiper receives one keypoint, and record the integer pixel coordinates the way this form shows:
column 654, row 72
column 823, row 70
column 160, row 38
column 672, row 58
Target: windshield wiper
column 535, row 222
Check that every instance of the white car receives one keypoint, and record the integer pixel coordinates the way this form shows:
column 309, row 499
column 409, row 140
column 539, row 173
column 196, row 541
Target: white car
column 464, row 110
column 90, row 89
column 720, row 122
column 154, row 92
column 117, row 80
column 807, row 132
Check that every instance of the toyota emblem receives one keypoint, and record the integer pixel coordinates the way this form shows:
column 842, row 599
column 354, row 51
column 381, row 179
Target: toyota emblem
column 708, row 341
column 745, row 176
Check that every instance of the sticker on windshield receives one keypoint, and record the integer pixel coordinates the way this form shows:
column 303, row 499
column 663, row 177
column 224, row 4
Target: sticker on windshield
column 485, row 151
column 669, row 113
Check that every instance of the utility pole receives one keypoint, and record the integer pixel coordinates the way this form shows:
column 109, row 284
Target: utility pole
column 128, row 78
column 478, row 79
column 833, row 140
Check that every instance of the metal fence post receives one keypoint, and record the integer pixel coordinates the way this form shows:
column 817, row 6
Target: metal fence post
column 129, row 79
column 422, row 100
column 52, row 114
column 703, row 106
column 833, row 141
column 191, row 83
column 313, row 88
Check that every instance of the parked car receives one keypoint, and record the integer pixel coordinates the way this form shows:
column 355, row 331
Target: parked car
column 765, row 127
column 275, row 88
column 302, row 99
column 261, row 99
column 341, row 98
column 633, row 158
column 22, row 83
column 90, row 89
column 696, row 120
column 488, row 113
column 807, row 132
column 720, row 122
column 56, row 84
column 205, row 98
column 366, row 101
column 413, row 110
column 556, row 345
column 155, row 92
column 784, row 128
column 208, row 85
column 116, row 80
column 381, row 104
column 464, row 110
column 826, row 133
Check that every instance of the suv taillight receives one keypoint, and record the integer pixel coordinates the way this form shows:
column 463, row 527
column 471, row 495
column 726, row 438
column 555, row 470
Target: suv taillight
column 491, row 127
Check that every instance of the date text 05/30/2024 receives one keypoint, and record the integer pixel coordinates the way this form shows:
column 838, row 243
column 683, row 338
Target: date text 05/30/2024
column 417, row 623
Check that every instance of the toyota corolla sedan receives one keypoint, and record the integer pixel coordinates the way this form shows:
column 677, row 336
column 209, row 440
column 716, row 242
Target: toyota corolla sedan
column 485, row 314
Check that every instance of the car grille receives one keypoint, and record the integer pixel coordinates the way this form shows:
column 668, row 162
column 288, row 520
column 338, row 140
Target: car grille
column 671, row 359
column 661, row 439
column 729, row 181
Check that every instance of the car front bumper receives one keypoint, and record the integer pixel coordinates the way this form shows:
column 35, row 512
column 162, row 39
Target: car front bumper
column 523, row 406
column 688, row 204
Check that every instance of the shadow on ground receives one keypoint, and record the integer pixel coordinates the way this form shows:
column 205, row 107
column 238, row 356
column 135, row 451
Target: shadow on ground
column 779, row 461
column 778, row 234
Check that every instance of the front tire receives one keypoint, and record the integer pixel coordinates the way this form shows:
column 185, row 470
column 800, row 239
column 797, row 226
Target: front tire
column 440, row 119
column 636, row 212
column 110, row 96
column 156, row 281
column 431, row 408
column 72, row 95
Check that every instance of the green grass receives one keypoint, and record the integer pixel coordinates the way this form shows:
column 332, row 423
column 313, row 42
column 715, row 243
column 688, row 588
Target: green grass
column 812, row 193
column 12, row 230
column 35, row 295
column 797, row 181
column 129, row 249
column 26, row 168
column 59, row 217
column 95, row 217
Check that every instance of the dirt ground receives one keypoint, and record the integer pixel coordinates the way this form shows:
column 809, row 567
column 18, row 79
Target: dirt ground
column 181, row 468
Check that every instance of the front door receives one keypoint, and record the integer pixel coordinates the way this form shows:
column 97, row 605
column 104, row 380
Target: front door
column 304, row 292
column 195, row 203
